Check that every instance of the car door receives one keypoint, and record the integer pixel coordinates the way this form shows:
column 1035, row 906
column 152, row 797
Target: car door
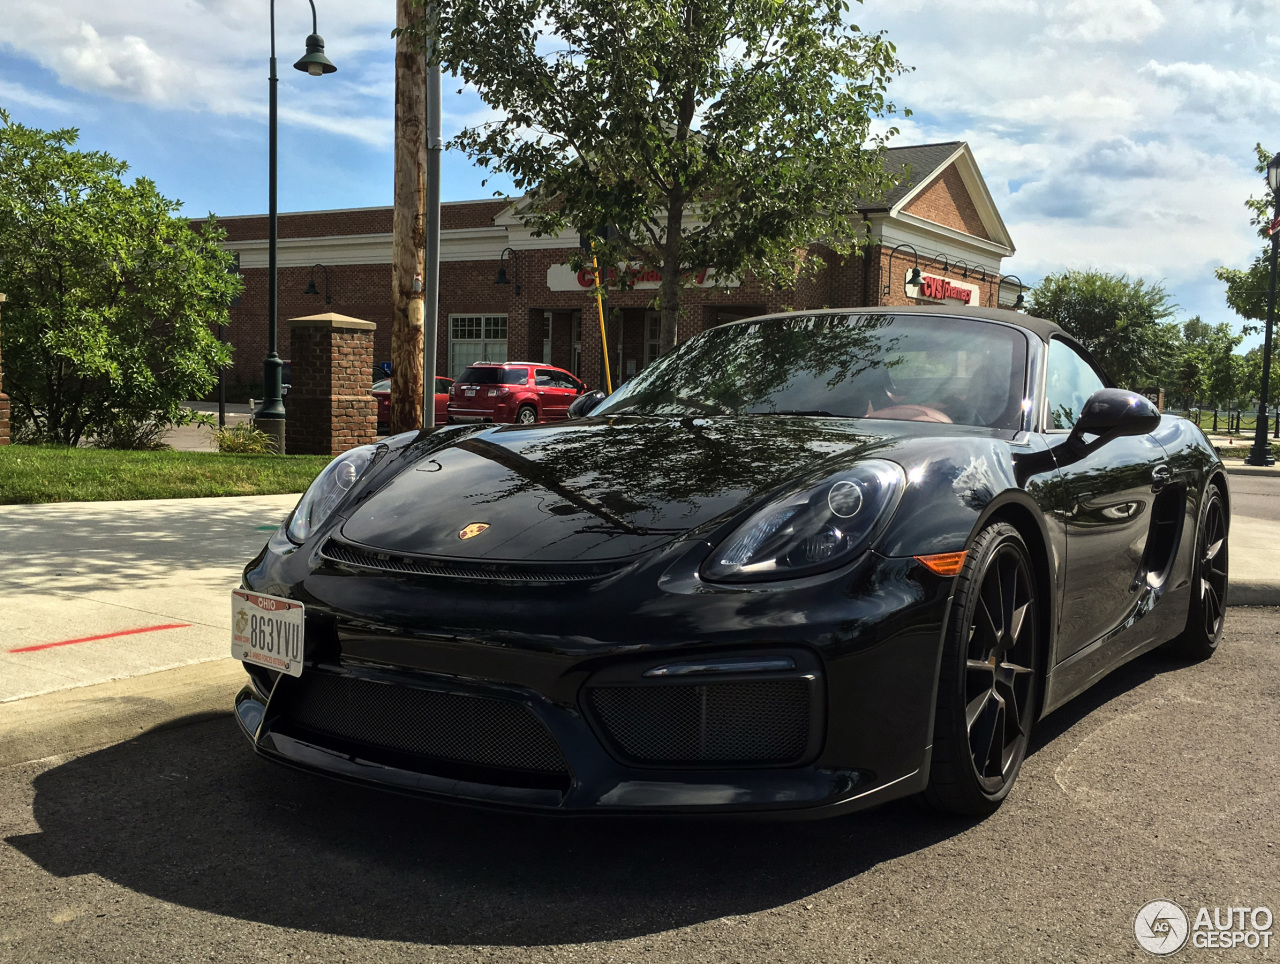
column 552, row 397
column 1109, row 490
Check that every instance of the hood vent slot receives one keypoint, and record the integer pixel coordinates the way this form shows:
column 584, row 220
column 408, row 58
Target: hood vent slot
column 359, row 557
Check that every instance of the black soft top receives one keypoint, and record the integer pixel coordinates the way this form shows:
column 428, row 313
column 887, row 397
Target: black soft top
column 1042, row 329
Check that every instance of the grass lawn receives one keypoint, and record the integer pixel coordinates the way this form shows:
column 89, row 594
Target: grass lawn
column 51, row 473
column 1242, row 451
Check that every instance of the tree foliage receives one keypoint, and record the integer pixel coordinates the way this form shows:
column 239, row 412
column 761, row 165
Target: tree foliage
column 112, row 297
column 1120, row 321
column 729, row 136
column 1206, row 369
column 1247, row 288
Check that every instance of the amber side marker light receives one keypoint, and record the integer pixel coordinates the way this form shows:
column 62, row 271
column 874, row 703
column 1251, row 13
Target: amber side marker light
column 944, row 563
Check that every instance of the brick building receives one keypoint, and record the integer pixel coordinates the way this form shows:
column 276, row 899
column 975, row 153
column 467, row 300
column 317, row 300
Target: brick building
column 941, row 210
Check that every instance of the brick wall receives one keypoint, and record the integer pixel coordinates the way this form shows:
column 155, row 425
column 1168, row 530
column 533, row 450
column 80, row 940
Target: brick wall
column 364, row 291
column 946, row 201
column 329, row 406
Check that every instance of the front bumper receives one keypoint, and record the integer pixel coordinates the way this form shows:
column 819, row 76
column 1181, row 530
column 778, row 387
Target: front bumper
column 867, row 638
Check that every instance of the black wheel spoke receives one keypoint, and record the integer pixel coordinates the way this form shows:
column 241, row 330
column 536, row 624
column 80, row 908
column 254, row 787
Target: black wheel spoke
column 975, row 708
column 999, row 666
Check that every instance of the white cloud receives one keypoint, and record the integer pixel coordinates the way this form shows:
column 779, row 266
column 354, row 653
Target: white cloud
column 1103, row 21
column 1115, row 134
column 11, row 93
column 210, row 56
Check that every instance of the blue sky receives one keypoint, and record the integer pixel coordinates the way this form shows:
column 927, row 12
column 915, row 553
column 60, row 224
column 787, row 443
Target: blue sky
column 1114, row 134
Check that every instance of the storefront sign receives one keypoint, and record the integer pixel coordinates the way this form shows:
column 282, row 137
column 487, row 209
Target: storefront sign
column 561, row 277
column 933, row 288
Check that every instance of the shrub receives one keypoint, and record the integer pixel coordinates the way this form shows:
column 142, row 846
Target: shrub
column 244, row 438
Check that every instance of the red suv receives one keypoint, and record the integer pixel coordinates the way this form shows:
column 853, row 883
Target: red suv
column 522, row 392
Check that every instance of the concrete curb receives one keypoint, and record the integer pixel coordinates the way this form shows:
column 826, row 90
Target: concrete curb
column 1235, row 468
column 1252, row 594
column 68, row 721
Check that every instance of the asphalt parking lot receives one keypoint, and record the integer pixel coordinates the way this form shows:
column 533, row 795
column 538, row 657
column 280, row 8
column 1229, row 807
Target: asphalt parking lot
column 180, row 845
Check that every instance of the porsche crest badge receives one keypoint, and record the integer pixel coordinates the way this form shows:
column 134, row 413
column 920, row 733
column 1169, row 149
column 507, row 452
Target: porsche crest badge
column 473, row 530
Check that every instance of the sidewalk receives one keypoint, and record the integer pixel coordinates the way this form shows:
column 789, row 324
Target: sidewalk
column 96, row 591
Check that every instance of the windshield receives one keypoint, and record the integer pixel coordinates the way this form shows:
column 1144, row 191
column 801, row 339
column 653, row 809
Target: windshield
column 914, row 367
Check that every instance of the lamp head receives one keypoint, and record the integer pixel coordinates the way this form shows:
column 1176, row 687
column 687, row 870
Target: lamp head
column 1273, row 174
column 502, row 276
column 311, row 288
column 1020, row 303
column 314, row 61
column 915, row 278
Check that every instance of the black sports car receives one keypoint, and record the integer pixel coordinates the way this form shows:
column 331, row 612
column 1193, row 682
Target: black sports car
column 807, row 562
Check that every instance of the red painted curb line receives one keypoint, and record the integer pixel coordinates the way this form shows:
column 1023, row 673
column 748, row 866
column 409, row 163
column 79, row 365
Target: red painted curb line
column 90, row 639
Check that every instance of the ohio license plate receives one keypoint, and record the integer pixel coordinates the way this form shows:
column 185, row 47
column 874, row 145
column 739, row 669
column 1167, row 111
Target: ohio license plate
column 267, row 630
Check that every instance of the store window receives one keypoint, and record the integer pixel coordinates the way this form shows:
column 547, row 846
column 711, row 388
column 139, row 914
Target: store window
column 546, row 338
column 652, row 335
column 474, row 338
column 575, row 334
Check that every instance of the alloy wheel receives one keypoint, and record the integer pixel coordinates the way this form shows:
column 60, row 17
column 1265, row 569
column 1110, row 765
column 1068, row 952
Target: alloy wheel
column 999, row 669
column 1213, row 568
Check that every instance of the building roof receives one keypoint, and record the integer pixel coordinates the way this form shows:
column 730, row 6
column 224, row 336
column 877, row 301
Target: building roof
column 919, row 162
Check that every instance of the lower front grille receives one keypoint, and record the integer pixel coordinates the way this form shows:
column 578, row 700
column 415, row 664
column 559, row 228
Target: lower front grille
column 463, row 729
column 764, row 723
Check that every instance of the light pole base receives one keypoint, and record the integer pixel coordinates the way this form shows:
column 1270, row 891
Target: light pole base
column 1263, row 457
column 273, row 427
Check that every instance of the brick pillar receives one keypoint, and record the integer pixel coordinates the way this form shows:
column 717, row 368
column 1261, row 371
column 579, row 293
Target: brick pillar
column 4, row 402
column 329, row 405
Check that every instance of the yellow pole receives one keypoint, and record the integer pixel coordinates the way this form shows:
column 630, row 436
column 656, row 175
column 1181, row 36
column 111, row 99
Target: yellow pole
column 604, row 341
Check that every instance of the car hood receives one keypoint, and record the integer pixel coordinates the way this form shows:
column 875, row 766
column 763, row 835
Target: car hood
column 598, row 488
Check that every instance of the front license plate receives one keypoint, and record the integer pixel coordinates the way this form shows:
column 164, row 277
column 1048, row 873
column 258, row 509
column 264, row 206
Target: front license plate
column 267, row 630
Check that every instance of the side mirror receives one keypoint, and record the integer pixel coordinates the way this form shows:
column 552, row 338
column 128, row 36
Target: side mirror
column 583, row 404
column 1113, row 412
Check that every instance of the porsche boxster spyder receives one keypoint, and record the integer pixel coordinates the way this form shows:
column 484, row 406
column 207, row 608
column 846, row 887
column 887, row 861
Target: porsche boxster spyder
column 807, row 562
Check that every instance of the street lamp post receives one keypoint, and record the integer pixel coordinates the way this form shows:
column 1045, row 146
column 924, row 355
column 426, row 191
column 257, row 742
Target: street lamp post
column 270, row 417
column 1260, row 454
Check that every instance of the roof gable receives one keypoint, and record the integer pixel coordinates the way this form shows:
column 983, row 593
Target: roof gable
column 954, row 195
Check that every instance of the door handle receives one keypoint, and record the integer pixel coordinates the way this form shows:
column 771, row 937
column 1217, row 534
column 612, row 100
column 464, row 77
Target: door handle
column 1161, row 476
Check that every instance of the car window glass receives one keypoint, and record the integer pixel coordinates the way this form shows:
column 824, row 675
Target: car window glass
column 442, row 386
column 515, row 376
column 1069, row 381
column 858, row 365
column 561, row 380
column 544, row 378
column 382, row 386
column 481, row 376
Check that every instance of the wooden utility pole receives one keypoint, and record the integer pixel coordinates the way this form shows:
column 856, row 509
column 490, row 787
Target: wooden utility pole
column 407, row 228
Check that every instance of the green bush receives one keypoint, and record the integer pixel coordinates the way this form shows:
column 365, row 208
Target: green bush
column 113, row 298
column 245, row 439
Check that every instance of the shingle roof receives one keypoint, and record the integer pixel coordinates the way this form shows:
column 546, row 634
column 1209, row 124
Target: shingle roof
column 922, row 159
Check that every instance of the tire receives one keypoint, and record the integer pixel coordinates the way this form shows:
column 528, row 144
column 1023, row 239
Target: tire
column 1205, row 616
column 527, row 415
column 989, row 677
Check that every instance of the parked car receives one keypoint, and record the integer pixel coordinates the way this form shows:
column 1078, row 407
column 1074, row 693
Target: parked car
column 522, row 392
column 382, row 392
column 806, row 562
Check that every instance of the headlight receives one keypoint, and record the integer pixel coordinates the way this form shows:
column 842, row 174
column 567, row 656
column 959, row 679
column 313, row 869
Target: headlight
column 327, row 491
column 813, row 530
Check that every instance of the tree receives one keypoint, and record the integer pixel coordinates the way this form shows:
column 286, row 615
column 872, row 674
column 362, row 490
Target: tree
column 1119, row 321
column 1206, row 367
column 1247, row 288
column 407, row 231
column 113, row 298
column 731, row 136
